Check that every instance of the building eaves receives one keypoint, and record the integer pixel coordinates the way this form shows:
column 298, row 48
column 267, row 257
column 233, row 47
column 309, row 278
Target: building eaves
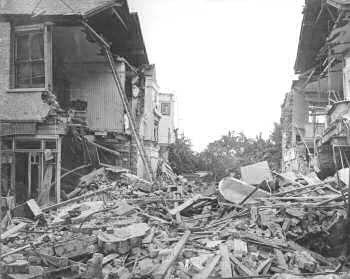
column 340, row 4
column 54, row 7
column 313, row 34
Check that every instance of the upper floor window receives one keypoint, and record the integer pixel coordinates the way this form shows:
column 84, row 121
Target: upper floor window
column 316, row 118
column 29, row 59
column 165, row 108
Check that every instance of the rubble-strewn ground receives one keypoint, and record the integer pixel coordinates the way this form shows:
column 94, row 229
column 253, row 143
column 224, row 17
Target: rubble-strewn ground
column 119, row 226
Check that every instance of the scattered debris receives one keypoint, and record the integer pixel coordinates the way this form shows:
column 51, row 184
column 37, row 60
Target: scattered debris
column 117, row 230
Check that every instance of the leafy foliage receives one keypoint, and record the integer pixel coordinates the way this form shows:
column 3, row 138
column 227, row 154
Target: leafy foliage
column 230, row 152
column 182, row 158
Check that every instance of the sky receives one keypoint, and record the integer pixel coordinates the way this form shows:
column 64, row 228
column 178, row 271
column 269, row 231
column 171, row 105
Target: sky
column 229, row 62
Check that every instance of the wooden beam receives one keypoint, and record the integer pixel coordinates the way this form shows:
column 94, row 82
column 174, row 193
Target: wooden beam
column 64, row 203
column 97, row 36
column 58, row 170
column 132, row 121
column 205, row 273
column 1, row 194
column 167, row 263
column 242, row 267
column 29, row 175
column 13, row 167
column 226, row 270
column 280, row 259
column 115, row 153
column 122, row 94
column 115, row 12
column 12, row 231
column 184, row 205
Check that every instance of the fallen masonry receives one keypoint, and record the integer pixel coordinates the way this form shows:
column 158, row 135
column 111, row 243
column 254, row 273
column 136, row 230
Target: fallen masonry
column 129, row 228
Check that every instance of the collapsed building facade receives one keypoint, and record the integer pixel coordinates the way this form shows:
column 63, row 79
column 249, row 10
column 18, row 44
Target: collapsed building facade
column 315, row 134
column 76, row 91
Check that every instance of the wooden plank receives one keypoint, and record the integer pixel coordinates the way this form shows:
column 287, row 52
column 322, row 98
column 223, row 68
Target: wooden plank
column 167, row 263
column 226, row 270
column 113, row 152
column 34, row 207
column 120, row 18
column 205, row 273
column 13, row 167
column 109, row 258
column 184, row 205
column 44, row 195
column 169, row 273
column 13, row 230
column 301, row 198
column 29, row 175
column 89, row 178
column 132, row 122
column 58, row 170
column 64, row 203
column 286, row 224
column 262, row 266
column 318, row 257
column 280, row 259
column 249, row 195
column 274, row 243
column 241, row 266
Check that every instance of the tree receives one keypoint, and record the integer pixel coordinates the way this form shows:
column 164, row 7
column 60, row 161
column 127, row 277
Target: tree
column 182, row 158
column 230, row 152
column 275, row 158
column 235, row 150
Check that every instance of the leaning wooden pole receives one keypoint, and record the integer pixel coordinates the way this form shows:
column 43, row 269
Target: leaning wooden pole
column 140, row 146
column 0, row 196
column 123, row 97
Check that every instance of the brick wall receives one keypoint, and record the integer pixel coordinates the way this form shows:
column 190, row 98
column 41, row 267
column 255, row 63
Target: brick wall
column 5, row 41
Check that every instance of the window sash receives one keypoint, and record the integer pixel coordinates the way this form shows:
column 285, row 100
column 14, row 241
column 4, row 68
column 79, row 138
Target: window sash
column 39, row 59
column 25, row 63
column 165, row 108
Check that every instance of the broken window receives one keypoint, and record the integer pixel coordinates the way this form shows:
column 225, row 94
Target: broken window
column 29, row 59
column 165, row 108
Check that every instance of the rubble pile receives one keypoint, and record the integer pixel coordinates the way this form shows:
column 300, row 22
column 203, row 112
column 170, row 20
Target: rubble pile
column 120, row 226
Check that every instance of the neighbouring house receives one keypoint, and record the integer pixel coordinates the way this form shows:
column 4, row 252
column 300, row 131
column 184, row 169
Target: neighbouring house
column 315, row 134
column 166, row 124
column 76, row 91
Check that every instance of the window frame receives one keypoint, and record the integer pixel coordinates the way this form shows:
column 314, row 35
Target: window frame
column 47, row 38
column 168, row 113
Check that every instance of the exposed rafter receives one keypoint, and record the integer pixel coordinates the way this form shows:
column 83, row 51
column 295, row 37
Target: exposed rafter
column 116, row 13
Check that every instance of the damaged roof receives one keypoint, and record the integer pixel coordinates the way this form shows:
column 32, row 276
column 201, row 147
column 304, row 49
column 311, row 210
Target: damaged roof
column 313, row 33
column 54, row 7
column 339, row 3
column 110, row 18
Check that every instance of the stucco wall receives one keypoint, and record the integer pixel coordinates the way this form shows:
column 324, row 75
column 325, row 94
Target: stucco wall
column 300, row 110
column 5, row 50
column 166, row 124
column 151, row 101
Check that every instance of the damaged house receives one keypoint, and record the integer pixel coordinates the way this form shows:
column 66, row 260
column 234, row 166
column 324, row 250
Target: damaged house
column 76, row 92
column 166, row 124
column 315, row 113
